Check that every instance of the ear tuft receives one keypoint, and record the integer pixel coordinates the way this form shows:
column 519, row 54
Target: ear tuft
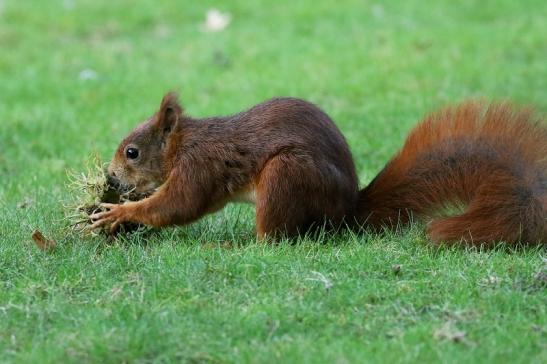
column 170, row 112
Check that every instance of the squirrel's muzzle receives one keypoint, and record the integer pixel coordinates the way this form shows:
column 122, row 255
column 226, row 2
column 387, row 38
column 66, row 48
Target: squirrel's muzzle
column 115, row 184
column 112, row 181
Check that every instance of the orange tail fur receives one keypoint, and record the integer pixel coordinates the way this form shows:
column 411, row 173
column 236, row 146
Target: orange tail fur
column 491, row 159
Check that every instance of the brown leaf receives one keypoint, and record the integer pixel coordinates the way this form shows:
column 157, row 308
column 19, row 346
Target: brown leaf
column 42, row 242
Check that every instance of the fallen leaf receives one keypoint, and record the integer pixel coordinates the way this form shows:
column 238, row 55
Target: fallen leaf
column 42, row 242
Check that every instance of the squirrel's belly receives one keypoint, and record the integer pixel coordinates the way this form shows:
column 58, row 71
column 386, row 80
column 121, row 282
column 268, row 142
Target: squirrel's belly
column 247, row 194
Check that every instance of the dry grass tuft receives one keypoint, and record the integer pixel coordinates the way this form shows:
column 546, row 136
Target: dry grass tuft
column 88, row 190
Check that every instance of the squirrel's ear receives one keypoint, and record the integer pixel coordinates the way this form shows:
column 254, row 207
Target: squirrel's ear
column 170, row 112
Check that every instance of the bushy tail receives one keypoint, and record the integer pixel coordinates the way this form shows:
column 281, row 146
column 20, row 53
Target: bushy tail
column 490, row 160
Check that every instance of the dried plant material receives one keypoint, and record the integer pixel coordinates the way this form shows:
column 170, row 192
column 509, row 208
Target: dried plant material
column 541, row 276
column 41, row 241
column 215, row 20
column 89, row 190
column 27, row 201
column 320, row 277
column 449, row 333
column 491, row 281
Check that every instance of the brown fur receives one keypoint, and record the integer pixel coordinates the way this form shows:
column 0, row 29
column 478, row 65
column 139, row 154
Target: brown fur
column 287, row 156
column 492, row 159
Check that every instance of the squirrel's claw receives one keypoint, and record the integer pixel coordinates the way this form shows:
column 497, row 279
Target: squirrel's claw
column 97, row 224
column 108, row 206
column 99, row 215
column 113, row 216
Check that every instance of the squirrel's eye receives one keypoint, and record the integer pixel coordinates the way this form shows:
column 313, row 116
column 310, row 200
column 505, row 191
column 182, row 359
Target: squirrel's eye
column 132, row 153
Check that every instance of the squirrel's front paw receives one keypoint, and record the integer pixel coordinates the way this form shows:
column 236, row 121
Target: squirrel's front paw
column 114, row 216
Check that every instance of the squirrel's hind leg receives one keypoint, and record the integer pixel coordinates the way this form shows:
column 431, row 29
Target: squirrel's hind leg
column 290, row 198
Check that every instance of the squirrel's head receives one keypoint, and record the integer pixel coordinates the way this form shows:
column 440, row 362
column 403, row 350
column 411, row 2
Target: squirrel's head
column 139, row 161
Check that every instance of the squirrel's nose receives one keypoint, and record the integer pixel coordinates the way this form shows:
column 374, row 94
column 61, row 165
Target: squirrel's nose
column 112, row 181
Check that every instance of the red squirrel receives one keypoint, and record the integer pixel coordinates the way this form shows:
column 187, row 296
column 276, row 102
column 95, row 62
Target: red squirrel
column 288, row 158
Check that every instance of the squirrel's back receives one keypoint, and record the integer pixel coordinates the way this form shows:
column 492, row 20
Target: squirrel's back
column 490, row 160
column 285, row 155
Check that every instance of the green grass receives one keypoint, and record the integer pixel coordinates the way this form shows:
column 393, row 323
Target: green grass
column 209, row 292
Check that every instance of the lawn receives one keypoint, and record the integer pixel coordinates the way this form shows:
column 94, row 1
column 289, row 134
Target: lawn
column 77, row 75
